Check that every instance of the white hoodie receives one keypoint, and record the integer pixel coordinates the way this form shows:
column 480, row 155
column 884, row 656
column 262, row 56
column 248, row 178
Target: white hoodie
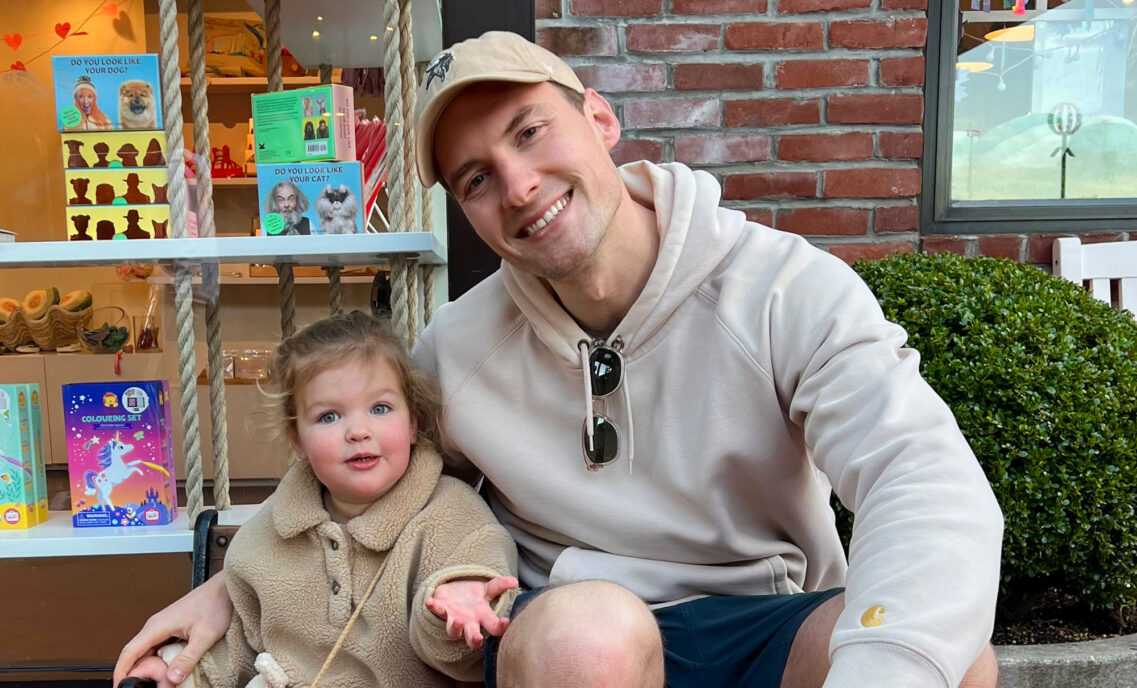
column 759, row 370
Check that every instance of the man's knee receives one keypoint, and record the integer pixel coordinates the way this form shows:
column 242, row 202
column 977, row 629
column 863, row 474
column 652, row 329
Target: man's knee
column 587, row 633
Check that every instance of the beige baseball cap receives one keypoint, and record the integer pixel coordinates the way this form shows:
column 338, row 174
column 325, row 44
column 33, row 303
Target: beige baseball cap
column 493, row 56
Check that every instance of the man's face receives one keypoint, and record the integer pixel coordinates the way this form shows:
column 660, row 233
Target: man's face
column 286, row 199
column 532, row 173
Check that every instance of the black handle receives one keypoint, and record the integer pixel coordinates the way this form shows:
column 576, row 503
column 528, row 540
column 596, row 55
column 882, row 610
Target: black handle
column 137, row 683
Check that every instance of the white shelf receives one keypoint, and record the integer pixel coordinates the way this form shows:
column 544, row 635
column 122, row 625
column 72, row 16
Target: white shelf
column 58, row 538
column 345, row 249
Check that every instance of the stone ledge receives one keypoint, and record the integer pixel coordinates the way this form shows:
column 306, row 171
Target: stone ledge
column 1108, row 663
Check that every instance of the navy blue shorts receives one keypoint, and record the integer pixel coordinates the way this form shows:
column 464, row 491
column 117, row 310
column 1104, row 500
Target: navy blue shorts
column 718, row 641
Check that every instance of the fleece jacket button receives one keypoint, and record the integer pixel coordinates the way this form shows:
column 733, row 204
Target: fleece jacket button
column 335, row 588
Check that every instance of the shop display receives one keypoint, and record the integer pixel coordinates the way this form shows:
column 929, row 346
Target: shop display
column 39, row 468
column 126, row 85
column 43, row 318
column 105, row 222
column 311, row 198
column 119, row 453
column 21, row 475
column 304, row 125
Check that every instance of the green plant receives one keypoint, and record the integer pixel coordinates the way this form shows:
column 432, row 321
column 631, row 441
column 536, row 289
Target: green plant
column 1042, row 379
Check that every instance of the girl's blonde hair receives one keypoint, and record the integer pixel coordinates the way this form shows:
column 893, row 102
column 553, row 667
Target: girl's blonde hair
column 341, row 338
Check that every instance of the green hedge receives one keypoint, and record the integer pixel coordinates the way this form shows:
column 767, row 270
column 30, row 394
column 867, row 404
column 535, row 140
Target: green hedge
column 1043, row 381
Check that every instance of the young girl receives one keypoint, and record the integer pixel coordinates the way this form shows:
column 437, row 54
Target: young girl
column 336, row 577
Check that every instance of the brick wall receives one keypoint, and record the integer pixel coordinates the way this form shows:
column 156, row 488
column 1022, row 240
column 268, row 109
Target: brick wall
column 809, row 112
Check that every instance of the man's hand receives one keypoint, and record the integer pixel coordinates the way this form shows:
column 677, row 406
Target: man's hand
column 200, row 617
column 466, row 607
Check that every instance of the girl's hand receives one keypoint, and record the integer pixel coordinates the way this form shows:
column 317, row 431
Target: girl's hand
column 466, row 607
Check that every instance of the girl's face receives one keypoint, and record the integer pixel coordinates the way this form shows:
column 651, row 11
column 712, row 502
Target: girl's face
column 85, row 99
column 354, row 427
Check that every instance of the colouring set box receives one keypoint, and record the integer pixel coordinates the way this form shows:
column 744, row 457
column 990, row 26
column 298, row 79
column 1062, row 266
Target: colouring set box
column 310, row 198
column 117, row 186
column 23, row 480
column 107, row 222
column 119, row 453
column 304, row 125
column 100, row 92
column 97, row 149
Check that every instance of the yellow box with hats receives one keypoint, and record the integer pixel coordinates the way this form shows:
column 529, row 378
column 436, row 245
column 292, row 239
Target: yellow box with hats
column 97, row 149
column 117, row 186
column 109, row 222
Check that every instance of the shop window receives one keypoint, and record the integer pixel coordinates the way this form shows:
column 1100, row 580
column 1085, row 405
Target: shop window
column 1031, row 121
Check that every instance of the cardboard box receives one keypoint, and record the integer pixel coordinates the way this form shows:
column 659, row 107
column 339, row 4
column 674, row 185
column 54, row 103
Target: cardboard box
column 100, row 92
column 117, row 185
column 106, row 222
column 310, row 198
column 304, row 125
column 18, row 478
column 39, row 468
column 98, row 149
column 120, row 469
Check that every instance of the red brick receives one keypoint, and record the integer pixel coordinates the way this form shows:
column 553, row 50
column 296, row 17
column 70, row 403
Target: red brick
column 799, row 6
column 902, row 71
column 872, row 182
column 896, row 218
column 615, row 8
column 631, row 150
column 944, row 244
column 718, row 77
column 763, row 216
column 824, row 221
column 851, row 253
column 568, row 41
column 821, row 73
column 825, row 147
column 772, row 112
column 722, row 148
column 1006, row 246
column 624, row 78
column 775, row 36
column 1039, row 247
column 902, row 144
column 672, row 37
column 879, row 108
column 904, row 4
column 672, row 113
column 893, row 33
column 718, row 6
column 547, row 9
column 770, row 184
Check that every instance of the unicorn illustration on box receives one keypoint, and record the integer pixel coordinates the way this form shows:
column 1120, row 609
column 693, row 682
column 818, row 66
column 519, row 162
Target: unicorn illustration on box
column 115, row 470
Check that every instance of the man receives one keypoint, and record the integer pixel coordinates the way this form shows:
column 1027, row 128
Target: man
column 730, row 375
column 287, row 200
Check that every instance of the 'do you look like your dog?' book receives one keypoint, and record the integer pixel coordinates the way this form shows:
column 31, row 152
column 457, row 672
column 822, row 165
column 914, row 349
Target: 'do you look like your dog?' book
column 107, row 92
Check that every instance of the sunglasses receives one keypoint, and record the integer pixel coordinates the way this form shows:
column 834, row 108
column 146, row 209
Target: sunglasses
column 603, row 377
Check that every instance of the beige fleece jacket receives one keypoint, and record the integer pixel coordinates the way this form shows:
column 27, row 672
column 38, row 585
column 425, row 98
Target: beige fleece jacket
column 295, row 577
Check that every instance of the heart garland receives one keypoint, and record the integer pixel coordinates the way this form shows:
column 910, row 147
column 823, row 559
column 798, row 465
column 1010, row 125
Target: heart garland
column 13, row 40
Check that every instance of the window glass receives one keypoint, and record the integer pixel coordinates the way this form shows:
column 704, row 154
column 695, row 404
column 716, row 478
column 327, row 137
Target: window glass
column 1045, row 100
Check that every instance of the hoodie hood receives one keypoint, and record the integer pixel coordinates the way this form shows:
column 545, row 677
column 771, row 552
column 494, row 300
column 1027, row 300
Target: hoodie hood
column 676, row 194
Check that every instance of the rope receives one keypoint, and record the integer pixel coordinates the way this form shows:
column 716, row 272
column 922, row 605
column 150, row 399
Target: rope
column 183, row 288
column 285, row 279
column 333, row 271
column 209, row 271
column 428, row 293
column 350, row 623
column 272, row 28
column 412, row 301
column 411, row 195
column 393, row 107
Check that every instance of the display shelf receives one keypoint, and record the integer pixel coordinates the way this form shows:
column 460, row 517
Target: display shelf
column 249, row 84
column 58, row 538
column 233, row 181
column 346, row 249
column 272, row 281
